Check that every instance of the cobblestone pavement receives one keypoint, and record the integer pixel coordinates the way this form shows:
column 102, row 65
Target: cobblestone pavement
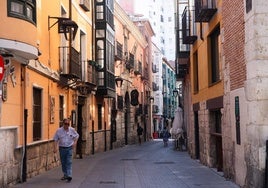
column 147, row 166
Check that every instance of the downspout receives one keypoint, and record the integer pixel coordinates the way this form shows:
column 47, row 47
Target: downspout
column 93, row 31
column 70, row 35
column 105, row 137
column 93, row 58
column 93, row 143
column 25, row 116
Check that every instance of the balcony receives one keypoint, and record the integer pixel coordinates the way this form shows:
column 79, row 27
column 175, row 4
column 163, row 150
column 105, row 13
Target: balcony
column 89, row 80
column 187, row 36
column 138, row 68
column 204, row 10
column 91, row 76
column 145, row 74
column 70, row 71
column 130, row 62
column 118, row 51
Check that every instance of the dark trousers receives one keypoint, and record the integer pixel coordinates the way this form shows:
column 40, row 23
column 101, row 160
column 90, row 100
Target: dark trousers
column 66, row 160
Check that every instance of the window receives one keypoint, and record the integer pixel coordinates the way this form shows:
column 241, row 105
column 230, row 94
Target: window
column 195, row 72
column 22, row 9
column 248, row 6
column 213, row 49
column 37, row 111
column 161, row 18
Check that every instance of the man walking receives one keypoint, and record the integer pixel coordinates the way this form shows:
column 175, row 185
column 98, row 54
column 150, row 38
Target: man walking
column 66, row 138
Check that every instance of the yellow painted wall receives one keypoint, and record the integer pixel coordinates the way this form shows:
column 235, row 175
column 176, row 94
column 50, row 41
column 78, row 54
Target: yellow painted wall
column 206, row 91
column 16, row 29
column 48, row 41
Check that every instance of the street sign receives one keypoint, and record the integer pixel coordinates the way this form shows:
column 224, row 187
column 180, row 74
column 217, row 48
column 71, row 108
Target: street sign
column 1, row 68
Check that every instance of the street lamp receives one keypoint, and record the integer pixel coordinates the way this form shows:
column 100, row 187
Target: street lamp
column 119, row 81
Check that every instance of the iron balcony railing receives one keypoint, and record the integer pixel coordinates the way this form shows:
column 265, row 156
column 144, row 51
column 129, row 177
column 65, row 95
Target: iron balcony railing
column 187, row 27
column 145, row 74
column 69, row 68
column 204, row 10
column 118, row 51
column 138, row 68
column 130, row 61
column 91, row 76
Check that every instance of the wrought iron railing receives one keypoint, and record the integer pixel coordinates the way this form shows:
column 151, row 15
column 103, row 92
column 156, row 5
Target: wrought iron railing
column 204, row 10
column 118, row 51
column 187, row 36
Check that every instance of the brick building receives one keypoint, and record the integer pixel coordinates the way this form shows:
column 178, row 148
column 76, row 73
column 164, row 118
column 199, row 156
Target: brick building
column 226, row 120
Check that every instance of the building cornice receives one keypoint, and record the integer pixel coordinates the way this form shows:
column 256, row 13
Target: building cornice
column 37, row 66
column 121, row 15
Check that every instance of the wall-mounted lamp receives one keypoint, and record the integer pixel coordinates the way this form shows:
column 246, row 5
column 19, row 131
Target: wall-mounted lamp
column 119, row 81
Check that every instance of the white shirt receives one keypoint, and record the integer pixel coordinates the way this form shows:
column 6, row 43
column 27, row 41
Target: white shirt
column 64, row 137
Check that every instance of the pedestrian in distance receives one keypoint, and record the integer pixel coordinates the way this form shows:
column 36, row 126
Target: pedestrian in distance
column 139, row 132
column 166, row 136
column 65, row 139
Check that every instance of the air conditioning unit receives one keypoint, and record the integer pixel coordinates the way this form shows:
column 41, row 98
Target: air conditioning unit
column 85, row 4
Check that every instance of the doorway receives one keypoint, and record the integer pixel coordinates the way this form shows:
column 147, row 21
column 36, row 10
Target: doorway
column 216, row 139
column 79, row 147
column 196, row 134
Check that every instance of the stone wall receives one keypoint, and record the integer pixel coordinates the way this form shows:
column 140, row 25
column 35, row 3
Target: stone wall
column 234, row 71
column 40, row 158
column 256, row 54
column 9, row 160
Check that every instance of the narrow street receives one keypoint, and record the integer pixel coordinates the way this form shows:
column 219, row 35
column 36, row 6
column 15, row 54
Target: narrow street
column 147, row 166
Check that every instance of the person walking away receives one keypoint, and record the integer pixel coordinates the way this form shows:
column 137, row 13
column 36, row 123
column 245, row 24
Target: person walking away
column 139, row 132
column 65, row 139
column 166, row 135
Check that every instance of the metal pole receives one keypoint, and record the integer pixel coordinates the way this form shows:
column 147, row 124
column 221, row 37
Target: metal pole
column 93, row 143
column 70, row 37
column 24, row 167
column 105, row 137
column 266, row 166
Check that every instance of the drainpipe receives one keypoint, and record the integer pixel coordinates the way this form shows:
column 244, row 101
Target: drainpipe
column 24, row 164
column 25, row 115
column 70, row 36
column 93, row 31
column 105, row 137
column 93, row 143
